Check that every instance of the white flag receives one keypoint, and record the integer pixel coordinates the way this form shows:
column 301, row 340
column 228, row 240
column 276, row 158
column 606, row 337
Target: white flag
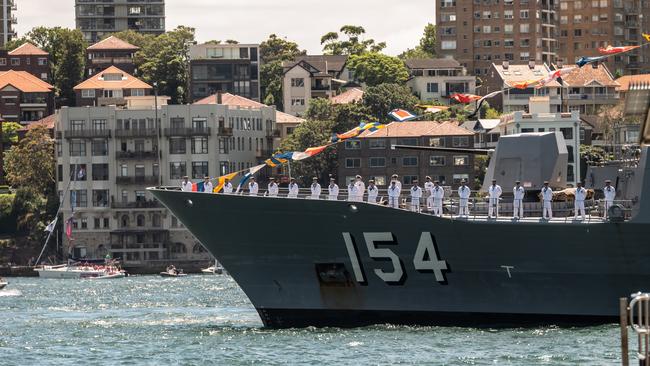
column 51, row 226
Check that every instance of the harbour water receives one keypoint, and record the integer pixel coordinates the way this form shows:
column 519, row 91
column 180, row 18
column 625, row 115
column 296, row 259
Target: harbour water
column 201, row 320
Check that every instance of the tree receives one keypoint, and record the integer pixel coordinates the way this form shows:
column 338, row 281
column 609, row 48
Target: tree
column 165, row 63
column 382, row 99
column 426, row 48
column 413, row 53
column 67, row 49
column 310, row 134
column 374, row 68
column 141, row 40
column 319, row 109
column 348, row 116
column 491, row 113
column 31, row 162
column 273, row 52
column 231, row 41
column 10, row 132
column 332, row 45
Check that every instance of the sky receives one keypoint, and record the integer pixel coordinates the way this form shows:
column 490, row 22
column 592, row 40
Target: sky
column 398, row 23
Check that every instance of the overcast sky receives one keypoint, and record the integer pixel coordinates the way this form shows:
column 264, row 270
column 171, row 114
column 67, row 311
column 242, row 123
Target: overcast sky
column 397, row 22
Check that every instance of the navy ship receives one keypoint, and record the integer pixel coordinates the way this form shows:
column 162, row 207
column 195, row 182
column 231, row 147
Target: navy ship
column 308, row 262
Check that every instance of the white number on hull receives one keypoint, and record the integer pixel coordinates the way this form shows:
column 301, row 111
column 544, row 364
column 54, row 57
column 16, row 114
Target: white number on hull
column 426, row 258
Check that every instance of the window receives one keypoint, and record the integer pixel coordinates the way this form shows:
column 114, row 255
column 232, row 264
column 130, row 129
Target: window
column 377, row 162
column 524, row 28
column 177, row 170
column 42, row 61
column 408, row 141
column 436, row 160
column 199, row 145
column 353, row 163
column 297, row 82
column 199, row 122
column 77, row 148
column 79, row 171
column 15, row 61
column 460, row 141
column 460, row 177
column 297, row 101
column 79, row 198
column 88, row 93
column 100, row 172
column 461, row 160
column 3, row 61
column 177, row 145
column 508, row 28
column 432, row 87
column 523, row 14
column 567, row 132
column 113, row 93
column 352, row 144
column 408, row 179
column 140, row 196
column 436, row 141
column 99, row 147
column 577, row 4
column 508, row 14
column 377, row 143
column 99, row 125
column 100, row 198
column 448, row 45
column 124, row 170
column 77, row 125
column 410, row 161
column 199, row 169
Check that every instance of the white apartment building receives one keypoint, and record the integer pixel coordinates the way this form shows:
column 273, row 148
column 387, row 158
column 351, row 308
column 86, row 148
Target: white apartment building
column 112, row 154
column 434, row 80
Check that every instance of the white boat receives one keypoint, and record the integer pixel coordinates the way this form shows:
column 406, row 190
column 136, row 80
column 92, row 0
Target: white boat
column 214, row 269
column 3, row 283
column 80, row 271
column 173, row 272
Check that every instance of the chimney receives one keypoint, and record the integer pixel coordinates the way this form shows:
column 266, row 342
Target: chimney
column 505, row 65
column 531, row 64
column 219, row 98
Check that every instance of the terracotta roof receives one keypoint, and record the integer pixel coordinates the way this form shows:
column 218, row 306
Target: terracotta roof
column 517, row 73
column 48, row 122
column 322, row 63
column 128, row 81
column 27, row 49
column 113, row 43
column 349, row 96
column 24, row 81
column 432, row 63
column 281, row 117
column 625, row 81
column 417, row 129
column 588, row 75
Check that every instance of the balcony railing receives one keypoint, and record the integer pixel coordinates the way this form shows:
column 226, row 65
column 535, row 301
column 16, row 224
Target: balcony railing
column 187, row 131
column 138, row 132
column 137, row 204
column 88, row 134
column 136, row 155
column 111, row 60
column 225, row 131
column 110, row 101
column 320, row 87
column 143, row 179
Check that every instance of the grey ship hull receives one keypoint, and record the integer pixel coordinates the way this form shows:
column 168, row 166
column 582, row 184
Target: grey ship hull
column 291, row 258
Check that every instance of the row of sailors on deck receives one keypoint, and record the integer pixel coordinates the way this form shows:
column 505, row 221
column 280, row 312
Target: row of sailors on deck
column 435, row 194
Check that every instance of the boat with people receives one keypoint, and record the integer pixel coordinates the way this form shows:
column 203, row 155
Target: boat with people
column 216, row 268
column 109, row 270
column 172, row 271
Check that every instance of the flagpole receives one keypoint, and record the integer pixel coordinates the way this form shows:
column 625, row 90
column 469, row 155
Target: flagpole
column 289, row 166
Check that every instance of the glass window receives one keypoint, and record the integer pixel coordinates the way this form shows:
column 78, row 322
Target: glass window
column 432, row 87
column 77, row 125
column 297, row 82
column 377, row 143
column 77, row 148
column 79, row 198
column 352, row 144
column 460, row 177
column 409, row 142
column 460, row 141
column 199, row 122
column 88, row 93
column 353, row 163
column 124, row 170
column 99, row 147
column 436, row 141
column 199, row 169
column 100, row 172
column 436, row 160
column 567, row 132
column 408, row 179
column 409, row 161
column 377, row 162
column 199, row 145
column 177, row 145
column 100, row 198
column 461, row 160
column 177, row 170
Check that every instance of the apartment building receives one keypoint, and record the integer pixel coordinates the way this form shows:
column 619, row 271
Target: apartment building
column 480, row 32
column 589, row 90
column 436, row 79
column 312, row 76
column 24, row 98
column 8, row 19
column 225, row 68
column 108, row 156
column 111, row 51
column 29, row 58
column 110, row 87
column 97, row 18
column 371, row 155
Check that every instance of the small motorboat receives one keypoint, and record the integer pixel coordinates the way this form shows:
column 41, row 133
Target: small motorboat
column 3, row 283
column 173, row 272
column 216, row 268
column 81, row 270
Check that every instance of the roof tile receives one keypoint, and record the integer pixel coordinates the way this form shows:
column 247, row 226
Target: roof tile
column 113, row 43
column 27, row 49
column 128, row 81
column 418, row 129
column 349, row 96
column 24, row 81
column 626, row 80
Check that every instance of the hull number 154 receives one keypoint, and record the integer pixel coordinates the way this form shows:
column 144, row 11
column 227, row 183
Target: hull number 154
column 425, row 259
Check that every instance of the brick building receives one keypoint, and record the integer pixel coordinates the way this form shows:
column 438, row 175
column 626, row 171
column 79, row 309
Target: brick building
column 29, row 58
column 371, row 155
column 24, row 98
column 110, row 87
column 111, row 51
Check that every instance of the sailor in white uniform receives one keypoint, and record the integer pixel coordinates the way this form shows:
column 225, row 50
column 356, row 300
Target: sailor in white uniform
column 293, row 189
column 464, row 192
column 333, row 190
column 518, row 193
column 547, row 198
column 227, row 186
column 580, row 196
column 315, row 189
column 610, row 194
column 207, row 185
column 438, row 195
column 416, row 194
column 393, row 194
column 395, row 178
column 186, row 185
column 273, row 188
column 428, row 192
column 253, row 187
column 373, row 191
column 494, row 193
column 360, row 188
column 352, row 191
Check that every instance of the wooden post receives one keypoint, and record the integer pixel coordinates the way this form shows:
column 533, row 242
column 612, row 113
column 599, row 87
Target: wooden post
column 624, row 340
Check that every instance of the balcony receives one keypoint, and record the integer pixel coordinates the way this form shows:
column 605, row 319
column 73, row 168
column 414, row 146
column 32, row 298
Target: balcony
column 225, row 131
column 137, row 204
column 102, row 101
column 320, row 87
column 142, row 179
column 87, row 134
column 187, row 131
column 111, row 60
column 136, row 155
column 138, row 132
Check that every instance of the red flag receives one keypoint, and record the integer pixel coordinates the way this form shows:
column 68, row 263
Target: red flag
column 68, row 229
column 195, row 187
column 465, row 98
column 609, row 50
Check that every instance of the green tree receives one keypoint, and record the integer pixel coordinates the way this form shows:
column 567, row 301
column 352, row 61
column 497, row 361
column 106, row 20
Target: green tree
column 491, row 113
column 231, row 41
column 273, row 52
column 426, row 48
column 413, row 53
column 374, row 68
column 319, row 109
column 31, row 162
column 344, row 116
column 10, row 132
column 165, row 63
column 137, row 39
column 383, row 98
column 309, row 134
column 353, row 45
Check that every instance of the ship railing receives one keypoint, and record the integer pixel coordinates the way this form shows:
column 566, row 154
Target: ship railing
column 635, row 314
